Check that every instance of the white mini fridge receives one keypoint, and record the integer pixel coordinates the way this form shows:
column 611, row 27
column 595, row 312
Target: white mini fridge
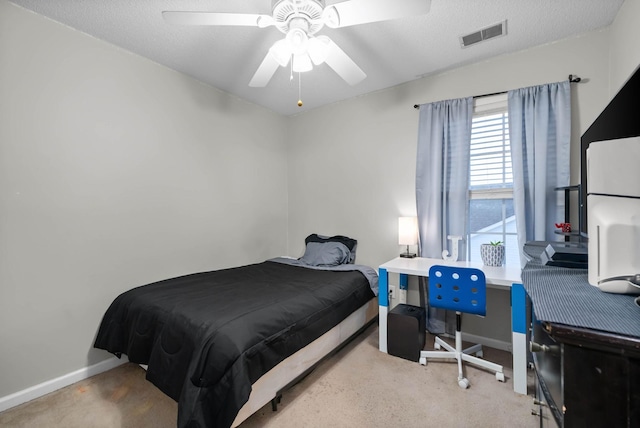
column 613, row 214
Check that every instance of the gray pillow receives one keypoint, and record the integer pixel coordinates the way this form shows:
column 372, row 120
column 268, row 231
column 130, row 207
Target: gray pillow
column 350, row 243
column 326, row 254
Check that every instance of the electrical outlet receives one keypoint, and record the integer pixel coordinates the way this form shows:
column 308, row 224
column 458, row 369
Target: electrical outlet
column 402, row 296
column 392, row 292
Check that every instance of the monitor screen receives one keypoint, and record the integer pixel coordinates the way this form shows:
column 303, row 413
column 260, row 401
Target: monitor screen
column 618, row 120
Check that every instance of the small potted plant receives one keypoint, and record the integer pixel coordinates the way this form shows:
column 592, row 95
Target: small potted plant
column 492, row 254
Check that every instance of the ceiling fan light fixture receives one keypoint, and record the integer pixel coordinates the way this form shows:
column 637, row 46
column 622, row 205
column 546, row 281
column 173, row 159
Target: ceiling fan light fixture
column 330, row 17
column 281, row 52
column 302, row 63
column 319, row 49
column 298, row 41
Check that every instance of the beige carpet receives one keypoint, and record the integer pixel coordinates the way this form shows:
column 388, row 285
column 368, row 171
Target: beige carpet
column 358, row 387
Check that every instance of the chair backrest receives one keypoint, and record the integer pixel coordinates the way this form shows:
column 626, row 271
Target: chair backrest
column 459, row 289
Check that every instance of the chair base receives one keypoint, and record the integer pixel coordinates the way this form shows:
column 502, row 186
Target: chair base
column 460, row 355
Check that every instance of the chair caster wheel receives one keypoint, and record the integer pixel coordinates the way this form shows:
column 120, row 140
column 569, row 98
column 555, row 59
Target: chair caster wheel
column 423, row 361
column 437, row 346
column 463, row 383
column 500, row 376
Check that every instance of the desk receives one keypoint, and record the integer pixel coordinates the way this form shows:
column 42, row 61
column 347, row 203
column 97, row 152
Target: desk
column 497, row 277
column 590, row 373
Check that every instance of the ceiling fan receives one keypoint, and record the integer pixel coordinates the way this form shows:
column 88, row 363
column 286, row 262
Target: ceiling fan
column 300, row 21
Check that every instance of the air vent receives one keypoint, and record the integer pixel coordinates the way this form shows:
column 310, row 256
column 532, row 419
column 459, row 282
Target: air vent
column 487, row 33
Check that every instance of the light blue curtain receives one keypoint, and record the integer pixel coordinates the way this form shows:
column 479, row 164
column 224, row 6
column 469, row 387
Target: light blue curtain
column 442, row 183
column 540, row 134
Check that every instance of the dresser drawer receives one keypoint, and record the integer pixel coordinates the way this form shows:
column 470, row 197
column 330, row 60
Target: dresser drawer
column 547, row 361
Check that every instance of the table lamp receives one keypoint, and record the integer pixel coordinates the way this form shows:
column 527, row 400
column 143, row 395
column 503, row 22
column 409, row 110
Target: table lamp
column 408, row 234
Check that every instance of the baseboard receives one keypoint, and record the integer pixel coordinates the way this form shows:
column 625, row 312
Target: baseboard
column 487, row 341
column 49, row 386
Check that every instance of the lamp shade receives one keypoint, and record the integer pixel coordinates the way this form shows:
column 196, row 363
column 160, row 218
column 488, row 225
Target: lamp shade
column 407, row 230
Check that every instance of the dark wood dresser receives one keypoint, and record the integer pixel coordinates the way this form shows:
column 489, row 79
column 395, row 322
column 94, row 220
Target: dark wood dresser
column 585, row 349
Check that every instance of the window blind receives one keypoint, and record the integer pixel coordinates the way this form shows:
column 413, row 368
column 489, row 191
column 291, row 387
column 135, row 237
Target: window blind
column 490, row 162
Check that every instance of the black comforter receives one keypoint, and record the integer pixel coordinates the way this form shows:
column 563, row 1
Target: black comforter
column 207, row 337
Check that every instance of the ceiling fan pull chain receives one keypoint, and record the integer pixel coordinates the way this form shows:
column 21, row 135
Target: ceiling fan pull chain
column 291, row 62
column 299, row 89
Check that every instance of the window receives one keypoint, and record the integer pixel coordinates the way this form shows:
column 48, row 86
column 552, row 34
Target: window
column 491, row 215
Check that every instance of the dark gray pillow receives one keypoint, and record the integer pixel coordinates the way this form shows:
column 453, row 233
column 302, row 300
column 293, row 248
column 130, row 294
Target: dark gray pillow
column 326, row 254
column 350, row 243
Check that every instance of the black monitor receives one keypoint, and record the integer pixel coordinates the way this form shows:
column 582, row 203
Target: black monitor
column 620, row 119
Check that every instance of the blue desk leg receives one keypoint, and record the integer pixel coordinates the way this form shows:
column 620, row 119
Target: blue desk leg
column 383, row 308
column 519, row 337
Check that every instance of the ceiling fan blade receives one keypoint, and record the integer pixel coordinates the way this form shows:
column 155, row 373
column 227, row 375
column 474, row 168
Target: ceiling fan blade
column 265, row 72
column 214, row 18
column 355, row 12
column 342, row 64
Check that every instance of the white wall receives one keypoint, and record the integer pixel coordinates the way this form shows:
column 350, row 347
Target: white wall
column 625, row 52
column 357, row 176
column 116, row 172
column 352, row 164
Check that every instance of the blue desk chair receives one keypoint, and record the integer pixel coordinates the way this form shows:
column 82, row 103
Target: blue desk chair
column 462, row 290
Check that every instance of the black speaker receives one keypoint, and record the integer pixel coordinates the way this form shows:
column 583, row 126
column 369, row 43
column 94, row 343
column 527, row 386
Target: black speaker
column 406, row 331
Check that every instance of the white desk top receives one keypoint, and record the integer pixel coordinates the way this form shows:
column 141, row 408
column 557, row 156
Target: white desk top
column 502, row 276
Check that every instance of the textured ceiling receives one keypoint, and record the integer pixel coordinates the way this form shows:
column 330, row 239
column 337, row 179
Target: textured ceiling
column 390, row 52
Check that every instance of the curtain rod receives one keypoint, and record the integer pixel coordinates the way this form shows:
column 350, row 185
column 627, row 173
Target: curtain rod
column 572, row 79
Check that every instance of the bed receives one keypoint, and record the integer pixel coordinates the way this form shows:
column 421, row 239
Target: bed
column 223, row 343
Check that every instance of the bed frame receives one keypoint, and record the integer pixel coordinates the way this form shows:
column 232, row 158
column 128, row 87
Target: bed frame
column 270, row 386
